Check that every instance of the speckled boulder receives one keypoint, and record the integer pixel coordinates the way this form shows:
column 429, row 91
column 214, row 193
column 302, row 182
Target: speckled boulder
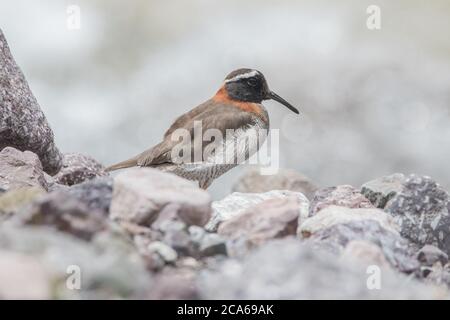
column 77, row 168
column 22, row 123
column 421, row 210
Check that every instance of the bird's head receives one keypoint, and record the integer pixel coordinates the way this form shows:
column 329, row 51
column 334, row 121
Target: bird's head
column 249, row 85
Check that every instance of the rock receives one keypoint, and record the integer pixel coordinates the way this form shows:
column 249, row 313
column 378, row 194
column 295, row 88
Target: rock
column 333, row 215
column 381, row 190
column 95, row 193
column 164, row 251
column 254, row 182
column 77, row 168
column 333, row 228
column 22, row 122
column 207, row 244
column 236, row 203
column 429, row 255
column 366, row 252
column 344, row 196
column 20, row 169
column 288, row 269
column 64, row 213
column 12, row 201
column 421, row 210
column 107, row 271
column 437, row 275
column 270, row 219
column 23, row 277
column 140, row 194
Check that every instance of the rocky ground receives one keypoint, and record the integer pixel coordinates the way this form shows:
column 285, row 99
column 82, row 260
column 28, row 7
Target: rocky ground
column 69, row 230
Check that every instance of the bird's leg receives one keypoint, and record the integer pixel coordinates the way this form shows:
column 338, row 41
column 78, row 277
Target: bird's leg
column 204, row 184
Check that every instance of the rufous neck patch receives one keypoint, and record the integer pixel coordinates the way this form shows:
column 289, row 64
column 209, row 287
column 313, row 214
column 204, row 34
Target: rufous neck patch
column 223, row 97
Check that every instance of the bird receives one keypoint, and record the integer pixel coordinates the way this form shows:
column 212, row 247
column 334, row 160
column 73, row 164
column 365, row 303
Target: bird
column 234, row 117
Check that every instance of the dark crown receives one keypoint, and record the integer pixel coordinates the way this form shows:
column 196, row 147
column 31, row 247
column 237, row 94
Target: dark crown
column 246, row 85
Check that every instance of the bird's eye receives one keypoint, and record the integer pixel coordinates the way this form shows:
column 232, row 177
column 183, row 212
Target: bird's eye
column 252, row 82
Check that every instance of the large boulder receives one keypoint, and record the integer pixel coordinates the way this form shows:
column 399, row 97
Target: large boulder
column 140, row 194
column 22, row 123
column 252, row 181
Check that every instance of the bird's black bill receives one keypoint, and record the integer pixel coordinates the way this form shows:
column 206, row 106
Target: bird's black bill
column 272, row 95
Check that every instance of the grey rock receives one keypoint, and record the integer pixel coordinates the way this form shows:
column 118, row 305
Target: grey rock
column 63, row 212
column 20, row 169
column 270, row 219
column 236, row 203
column 288, row 269
column 207, row 244
column 253, row 181
column 429, row 255
column 366, row 252
column 396, row 250
column 174, row 284
column 164, row 251
column 421, row 210
column 333, row 215
column 77, row 168
column 140, row 194
column 107, row 271
column 381, row 190
column 95, row 193
column 344, row 196
column 22, row 123
column 437, row 275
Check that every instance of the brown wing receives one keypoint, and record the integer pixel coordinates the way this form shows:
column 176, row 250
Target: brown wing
column 220, row 117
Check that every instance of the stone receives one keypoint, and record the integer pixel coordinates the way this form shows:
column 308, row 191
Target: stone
column 23, row 277
column 252, row 181
column 95, row 193
column 397, row 250
column 77, row 168
column 366, row 252
column 270, row 219
column 20, row 169
column 344, row 196
column 65, row 213
column 164, row 251
column 22, row 123
column 108, row 270
column 333, row 215
column 381, row 190
column 429, row 255
column 288, row 269
column 140, row 194
column 236, row 203
column 207, row 244
column 421, row 210
column 13, row 201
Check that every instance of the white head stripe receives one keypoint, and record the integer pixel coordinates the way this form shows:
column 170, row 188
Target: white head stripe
column 243, row 76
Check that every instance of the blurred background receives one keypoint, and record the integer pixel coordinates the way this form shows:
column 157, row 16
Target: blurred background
column 373, row 102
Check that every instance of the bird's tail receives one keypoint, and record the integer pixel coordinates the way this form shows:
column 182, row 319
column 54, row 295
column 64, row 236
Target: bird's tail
column 124, row 164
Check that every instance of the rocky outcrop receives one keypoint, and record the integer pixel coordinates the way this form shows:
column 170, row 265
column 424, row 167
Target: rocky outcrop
column 22, row 123
column 381, row 190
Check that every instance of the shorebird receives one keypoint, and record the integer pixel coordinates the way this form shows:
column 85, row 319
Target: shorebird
column 236, row 108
